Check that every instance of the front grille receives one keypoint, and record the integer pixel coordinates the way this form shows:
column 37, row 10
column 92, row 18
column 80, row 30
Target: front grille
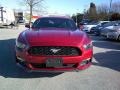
column 42, row 65
column 54, row 51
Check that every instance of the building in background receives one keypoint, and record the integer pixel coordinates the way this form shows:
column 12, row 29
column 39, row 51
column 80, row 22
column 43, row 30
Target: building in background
column 6, row 16
column 35, row 16
column 19, row 16
column 23, row 16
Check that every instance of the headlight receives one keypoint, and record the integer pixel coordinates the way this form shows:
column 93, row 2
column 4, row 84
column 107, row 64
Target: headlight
column 20, row 45
column 88, row 46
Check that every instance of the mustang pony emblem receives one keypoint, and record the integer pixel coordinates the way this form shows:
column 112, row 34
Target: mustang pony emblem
column 55, row 50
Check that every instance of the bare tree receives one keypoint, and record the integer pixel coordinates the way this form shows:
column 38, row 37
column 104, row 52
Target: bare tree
column 116, row 7
column 32, row 4
column 102, row 9
column 103, row 12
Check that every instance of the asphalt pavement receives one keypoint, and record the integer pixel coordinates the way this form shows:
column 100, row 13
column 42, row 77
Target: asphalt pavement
column 104, row 74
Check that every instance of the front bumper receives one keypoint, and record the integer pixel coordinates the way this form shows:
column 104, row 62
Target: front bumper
column 53, row 69
column 76, row 63
column 28, row 60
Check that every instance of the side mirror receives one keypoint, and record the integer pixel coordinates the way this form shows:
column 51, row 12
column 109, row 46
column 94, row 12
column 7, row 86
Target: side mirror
column 27, row 26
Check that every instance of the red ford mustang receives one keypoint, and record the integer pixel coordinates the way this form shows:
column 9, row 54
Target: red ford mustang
column 53, row 44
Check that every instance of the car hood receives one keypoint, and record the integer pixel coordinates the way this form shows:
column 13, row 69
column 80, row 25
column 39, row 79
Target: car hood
column 54, row 35
column 89, row 26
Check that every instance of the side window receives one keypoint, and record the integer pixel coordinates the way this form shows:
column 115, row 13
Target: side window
column 35, row 24
column 63, row 25
column 71, row 25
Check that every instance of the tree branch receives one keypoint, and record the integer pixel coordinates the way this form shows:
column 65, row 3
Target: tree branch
column 39, row 1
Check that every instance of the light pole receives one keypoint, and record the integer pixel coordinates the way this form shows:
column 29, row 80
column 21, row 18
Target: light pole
column 1, row 9
column 2, row 12
column 76, row 19
column 110, row 9
column 76, row 16
column 110, row 5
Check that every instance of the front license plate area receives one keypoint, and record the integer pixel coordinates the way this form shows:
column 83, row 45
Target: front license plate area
column 54, row 62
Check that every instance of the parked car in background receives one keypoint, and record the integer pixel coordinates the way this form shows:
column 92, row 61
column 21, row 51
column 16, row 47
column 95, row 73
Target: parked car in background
column 91, row 27
column 54, row 44
column 114, row 34
column 100, row 24
column 98, row 29
column 105, row 30
column 88, row 26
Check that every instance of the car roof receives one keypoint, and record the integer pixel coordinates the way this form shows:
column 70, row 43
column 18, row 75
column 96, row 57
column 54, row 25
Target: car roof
column 103, row 21
column 54, row 16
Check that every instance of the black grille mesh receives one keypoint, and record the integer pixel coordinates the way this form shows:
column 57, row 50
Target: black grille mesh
column 54, row 51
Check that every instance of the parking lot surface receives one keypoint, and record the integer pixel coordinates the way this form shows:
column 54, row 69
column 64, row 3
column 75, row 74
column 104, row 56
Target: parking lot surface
column 104, row 74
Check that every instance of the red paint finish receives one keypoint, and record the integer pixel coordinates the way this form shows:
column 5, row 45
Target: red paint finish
column 55, row 37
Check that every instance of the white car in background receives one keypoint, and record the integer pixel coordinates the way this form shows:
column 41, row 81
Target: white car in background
column 89, row 26
column 114, row 34
column 105, row 30
column 114, row 24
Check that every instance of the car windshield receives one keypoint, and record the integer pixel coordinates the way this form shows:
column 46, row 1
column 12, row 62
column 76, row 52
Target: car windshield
column 53, row 22
column 103, row 23
column 93, row 23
